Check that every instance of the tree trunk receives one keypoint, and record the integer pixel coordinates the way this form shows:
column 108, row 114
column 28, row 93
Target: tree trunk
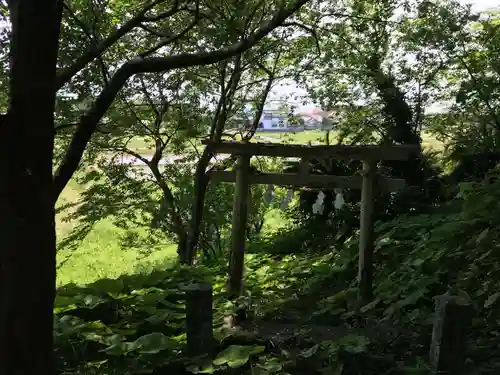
column 169, row 203
column 201, row 180
column 27, row 230
column 200, row 188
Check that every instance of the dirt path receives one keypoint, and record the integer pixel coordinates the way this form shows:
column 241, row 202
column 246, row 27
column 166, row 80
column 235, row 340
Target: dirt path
column 289, row 334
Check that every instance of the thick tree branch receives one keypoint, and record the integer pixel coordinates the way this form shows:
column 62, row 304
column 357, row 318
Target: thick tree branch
column 161, row 16
column 60, row 127
column 133, row 153
column 259, row 109
column 65, row 75
column 168, row 197
column 168, row 40
column 90, row 120
column 152, row 31
column 310, row 30
column 216, row 131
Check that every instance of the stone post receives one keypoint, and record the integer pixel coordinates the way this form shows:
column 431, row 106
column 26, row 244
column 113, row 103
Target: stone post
column 449, row 336
column 199, row 330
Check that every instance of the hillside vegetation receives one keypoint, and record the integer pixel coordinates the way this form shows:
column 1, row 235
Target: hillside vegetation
column 300, row 276
column 143, row 92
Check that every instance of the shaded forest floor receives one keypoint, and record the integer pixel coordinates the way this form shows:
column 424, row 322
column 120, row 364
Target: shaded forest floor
column 299, row 282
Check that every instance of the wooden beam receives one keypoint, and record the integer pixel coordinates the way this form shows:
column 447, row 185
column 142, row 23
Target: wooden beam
column 367, row 152
column 304, row 167
column 239, row 225
column 366, row 238
column 312, row 180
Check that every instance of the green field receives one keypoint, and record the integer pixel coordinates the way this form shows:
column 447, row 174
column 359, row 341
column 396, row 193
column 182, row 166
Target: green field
column 312, row 136
column 294, row 137
column 101, row 254
column 144, row 147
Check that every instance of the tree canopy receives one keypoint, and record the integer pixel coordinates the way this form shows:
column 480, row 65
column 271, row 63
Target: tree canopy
column 121, row 99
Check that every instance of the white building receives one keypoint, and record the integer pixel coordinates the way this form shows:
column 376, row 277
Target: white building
column 273, row 120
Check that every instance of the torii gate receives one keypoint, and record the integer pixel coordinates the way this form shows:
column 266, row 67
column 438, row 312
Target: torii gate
column 368, row 182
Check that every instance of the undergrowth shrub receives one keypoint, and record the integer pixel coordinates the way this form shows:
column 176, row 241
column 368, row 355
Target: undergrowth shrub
column 301, row 277
column 417, row 258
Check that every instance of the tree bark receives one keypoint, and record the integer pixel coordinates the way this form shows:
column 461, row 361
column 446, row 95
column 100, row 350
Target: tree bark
column 27, row 229
column 177, row 222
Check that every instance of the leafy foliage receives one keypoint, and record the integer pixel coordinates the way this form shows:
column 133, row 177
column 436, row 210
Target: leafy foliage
column 378, row 66
column 135, row 323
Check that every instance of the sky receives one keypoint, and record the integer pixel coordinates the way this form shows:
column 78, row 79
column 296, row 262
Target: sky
column 290, row 89
column 483, row 4
column 293, row 90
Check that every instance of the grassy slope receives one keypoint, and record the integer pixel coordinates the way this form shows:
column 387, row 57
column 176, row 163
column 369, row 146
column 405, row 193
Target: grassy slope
column 100, row 254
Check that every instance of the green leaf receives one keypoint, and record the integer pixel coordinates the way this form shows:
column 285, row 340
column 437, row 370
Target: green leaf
column 205, row 369
column 222, row 333
column 482, row 236
column 120, row 348
column 309, row 352
column 491, row 300
column 96, row 364
column 152, row 343
column 237, row 355
column 413, row 297
column 260, row 371
column 63, row 301
column 370, row 305
column 355, row 344
column 417, row 262
column 271, row 365
column 159, row 318
column 92, row 301
column 108, row 285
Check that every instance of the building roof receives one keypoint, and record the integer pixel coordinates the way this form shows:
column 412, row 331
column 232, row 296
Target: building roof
column 316, row 114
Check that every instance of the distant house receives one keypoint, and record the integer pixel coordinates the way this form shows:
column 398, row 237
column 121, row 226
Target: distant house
column 273, row 121
column 316, row 118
